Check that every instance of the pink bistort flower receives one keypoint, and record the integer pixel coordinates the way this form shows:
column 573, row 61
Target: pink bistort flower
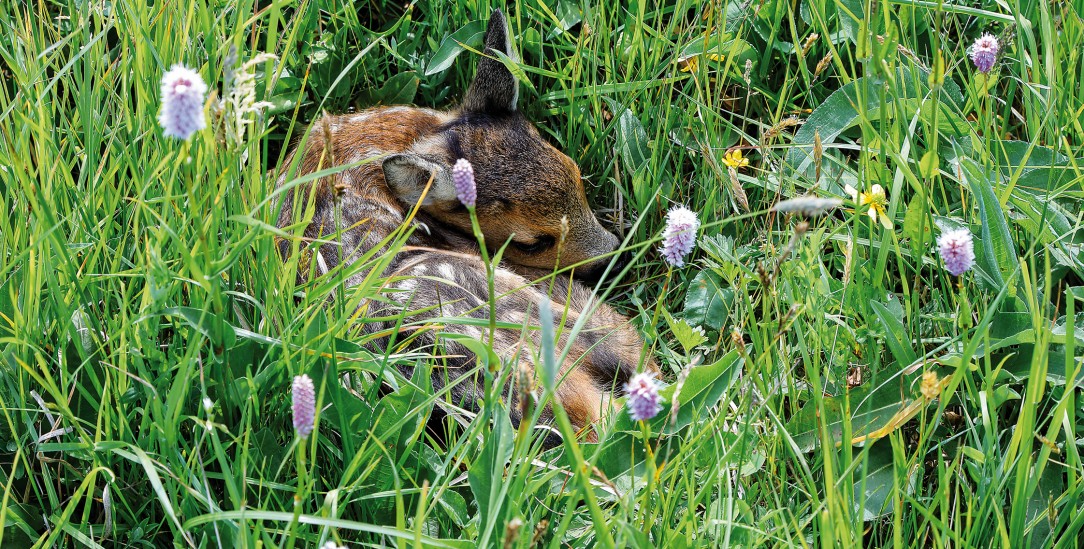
column 182, row 103
column 463, row 178
column 679, row 237
column 957, row 250
column 304, row 405
column 984, row 52
column 644, row 401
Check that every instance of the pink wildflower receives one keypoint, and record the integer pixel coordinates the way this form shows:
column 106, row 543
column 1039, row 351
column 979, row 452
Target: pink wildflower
column 644, row 401
column 463, row 179
column 182, row 103
column 304, row 405
column 679, row 237
column 957, row 250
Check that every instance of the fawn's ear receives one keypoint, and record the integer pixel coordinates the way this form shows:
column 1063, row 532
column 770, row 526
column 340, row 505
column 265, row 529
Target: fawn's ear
column 494, row 89
column 408, row 174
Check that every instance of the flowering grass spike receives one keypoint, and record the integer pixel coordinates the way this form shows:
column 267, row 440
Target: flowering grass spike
column 957, row 250
column 183, row 91
column 304, row 405
column 644, row 401
column 984, row 52
column 679, row 237
column 463, row 179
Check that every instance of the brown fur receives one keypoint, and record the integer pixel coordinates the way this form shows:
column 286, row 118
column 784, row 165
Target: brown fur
column 530, row 196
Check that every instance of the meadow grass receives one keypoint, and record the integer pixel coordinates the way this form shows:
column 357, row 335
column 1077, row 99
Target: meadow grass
column 836, row 386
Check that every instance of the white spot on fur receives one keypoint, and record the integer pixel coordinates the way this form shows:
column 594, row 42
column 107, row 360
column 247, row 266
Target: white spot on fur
column 443, row 117
column 361, row 117
column 420, row 270
column 446, row 271
column 361, row 154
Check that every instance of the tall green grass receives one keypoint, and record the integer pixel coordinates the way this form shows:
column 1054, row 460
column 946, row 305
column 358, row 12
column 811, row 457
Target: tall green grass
column 836, row 386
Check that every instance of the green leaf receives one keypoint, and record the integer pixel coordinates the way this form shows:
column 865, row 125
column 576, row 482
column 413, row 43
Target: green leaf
column 867, row 409
column 896, row 333
column 220, row 333
column 399, row 89
column 861, row 100
column 471, row 34
column 916, row 226
column 998, row 252
column 927, row 167
column 878, row 474
column 687, row 336
column 631, row 138
column 486, row 474
column 707, row 302
column 568, row 16
column 701, row 391
column 620, row 448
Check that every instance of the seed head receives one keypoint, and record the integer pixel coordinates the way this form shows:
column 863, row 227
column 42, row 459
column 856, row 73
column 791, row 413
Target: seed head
column 957, row 251
column 679, row 237
column 931, row 386
column 463, row 179
column 984, row 52
column 644, row 401
column 304, row 405
column 182, row 103
column 808, row 206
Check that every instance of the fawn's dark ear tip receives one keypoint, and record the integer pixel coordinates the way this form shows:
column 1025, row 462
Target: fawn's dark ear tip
column 494, row 89
column 497, row 33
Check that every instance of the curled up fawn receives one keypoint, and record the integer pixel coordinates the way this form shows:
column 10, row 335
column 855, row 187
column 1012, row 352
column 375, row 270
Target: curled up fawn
column 530, row 201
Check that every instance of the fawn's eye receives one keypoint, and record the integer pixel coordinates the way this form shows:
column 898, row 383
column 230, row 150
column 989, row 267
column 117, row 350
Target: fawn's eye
column 541, row 244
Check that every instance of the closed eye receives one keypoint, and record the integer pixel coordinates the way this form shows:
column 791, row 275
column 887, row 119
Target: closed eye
column 540, row 245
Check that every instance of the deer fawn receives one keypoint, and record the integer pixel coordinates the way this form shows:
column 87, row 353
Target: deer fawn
column 529, row 195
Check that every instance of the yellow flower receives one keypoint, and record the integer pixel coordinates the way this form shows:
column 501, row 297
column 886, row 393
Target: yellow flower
column 689, row 64
column 734, row 159
column 692, row 63
column 877, row 201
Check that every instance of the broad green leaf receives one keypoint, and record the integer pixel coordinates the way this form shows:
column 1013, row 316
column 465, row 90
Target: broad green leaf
column 708, row 302
column 472, row 34
column 868, row 411
column 858, row 100
column 631, row 138
column 998, row 252
column 620, row 448
column 486, row 474
column 916, row 225
column 568, row 15
column 701, row 391
column 399, row 89
column 927, row 167
column 719, row 49
column 896, row 334
column 219, row 333
column 878, row 474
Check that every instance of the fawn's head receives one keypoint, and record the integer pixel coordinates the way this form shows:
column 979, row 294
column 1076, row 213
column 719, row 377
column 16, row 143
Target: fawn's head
column 529, row 193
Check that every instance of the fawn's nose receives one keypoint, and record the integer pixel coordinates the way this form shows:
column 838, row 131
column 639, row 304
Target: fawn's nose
column 611, row 267
column 600, row 244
